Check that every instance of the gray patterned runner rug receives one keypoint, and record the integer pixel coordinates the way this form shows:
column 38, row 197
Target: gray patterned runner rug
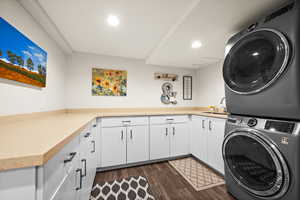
column 131, row 188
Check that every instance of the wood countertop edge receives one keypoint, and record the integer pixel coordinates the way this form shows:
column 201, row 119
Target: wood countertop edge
column 39, row 160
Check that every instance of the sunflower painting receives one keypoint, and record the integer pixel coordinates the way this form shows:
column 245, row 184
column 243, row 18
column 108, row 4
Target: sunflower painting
column 108, row 82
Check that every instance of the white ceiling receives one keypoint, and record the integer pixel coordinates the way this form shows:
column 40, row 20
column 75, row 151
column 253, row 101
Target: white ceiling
column 159, row 31
column 212, row 22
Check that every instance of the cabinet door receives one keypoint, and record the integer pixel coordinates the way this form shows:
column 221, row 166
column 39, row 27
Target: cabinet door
column 195, row 138
column 68, row 188
column 215, row 141
column 86, row 163
column 113, row 146
column 159, row 142
column 219, row 130
column 137, row 144
column 93, row 151
column 179, row 139
column 203, row 140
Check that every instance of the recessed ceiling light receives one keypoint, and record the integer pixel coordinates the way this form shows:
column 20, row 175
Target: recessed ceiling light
column 196, row 44
column 113, row 20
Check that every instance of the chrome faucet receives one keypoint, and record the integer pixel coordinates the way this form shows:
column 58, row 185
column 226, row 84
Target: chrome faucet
column 222, row 104
column 222, row 100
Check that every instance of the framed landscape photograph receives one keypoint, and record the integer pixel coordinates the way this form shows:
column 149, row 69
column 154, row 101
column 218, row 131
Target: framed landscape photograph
column 108, row 82
column 20, row 59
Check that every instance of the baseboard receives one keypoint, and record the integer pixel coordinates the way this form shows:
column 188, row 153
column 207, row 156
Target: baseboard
column 148, row 162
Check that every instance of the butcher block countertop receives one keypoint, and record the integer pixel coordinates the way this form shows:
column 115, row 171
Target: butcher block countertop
column 32, row 139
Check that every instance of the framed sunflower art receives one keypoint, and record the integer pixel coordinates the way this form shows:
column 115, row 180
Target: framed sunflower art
column 108, row 82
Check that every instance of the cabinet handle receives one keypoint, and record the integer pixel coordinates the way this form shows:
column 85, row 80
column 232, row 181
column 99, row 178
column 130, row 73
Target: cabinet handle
column 131, row 134
column 72, row 155
column 122, row 135
column 209, row 125
column 84, row 162
column 80, row 182
column 87, row 134
column 169, row 119
column 173, row 130
column 95, row 125
column 94, row 146
column 203, row 127
column 166, row 131
column 126, row 121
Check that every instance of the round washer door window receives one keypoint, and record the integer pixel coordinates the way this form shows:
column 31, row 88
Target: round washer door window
column 256, row 61
column 255, row 165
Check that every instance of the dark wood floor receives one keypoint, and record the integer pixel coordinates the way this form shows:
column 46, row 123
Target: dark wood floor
column 166, row 183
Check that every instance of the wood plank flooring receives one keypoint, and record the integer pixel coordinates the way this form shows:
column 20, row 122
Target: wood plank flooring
column 166, row 183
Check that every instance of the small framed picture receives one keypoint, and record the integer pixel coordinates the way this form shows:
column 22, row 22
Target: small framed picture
column 187, row 87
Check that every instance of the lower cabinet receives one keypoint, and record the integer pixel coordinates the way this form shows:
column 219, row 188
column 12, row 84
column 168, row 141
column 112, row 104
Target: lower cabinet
column 124, row 145
column 207, row 139
column 159, row 142
column 215, row 136
column 70, row 174
column 113, row 148
column 179, row 139
column 88, row 162
column 169, row 140
column 68, row 190
column 137, row 144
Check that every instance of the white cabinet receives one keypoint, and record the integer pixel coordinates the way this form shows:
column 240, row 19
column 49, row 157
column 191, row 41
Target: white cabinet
column 169, row 139
column 68, row 188
column 179, row 139
column 18, row 184
column 88, row 160
column 137, row 144
column 215, row 136
column 206, row 140
column 125, row 144
column 113, row 146
column 159, row 142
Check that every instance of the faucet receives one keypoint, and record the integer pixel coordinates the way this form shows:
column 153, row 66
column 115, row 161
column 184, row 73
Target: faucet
column 222, row 102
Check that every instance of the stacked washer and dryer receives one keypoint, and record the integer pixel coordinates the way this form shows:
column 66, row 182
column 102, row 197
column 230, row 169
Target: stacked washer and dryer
column 262, row 135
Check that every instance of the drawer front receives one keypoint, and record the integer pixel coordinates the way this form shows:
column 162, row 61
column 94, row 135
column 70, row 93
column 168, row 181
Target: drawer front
column 124, row 121
column 169, row 119
column 87, row 133
column 60, row 166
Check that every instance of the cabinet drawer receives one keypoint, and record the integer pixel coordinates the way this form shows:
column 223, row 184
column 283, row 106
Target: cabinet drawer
column 124, row 121
column 168, row 119
column 60, row 166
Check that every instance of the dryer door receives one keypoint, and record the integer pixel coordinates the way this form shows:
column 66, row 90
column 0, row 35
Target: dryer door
column 255, row 163
column 255, row 61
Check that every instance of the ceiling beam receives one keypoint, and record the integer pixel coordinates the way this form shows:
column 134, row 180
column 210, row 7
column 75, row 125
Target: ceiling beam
column 172, row 30
column 34, row 8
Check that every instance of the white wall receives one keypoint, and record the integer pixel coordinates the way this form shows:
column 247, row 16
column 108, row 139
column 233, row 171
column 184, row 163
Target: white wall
column 142, row 89
column 20, row 98
column 210, row 85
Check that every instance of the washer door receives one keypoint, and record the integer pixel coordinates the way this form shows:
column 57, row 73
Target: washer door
column 256, row 61
column 256, row 164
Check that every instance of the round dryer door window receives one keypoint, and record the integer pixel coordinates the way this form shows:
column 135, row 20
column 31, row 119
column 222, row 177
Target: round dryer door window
column 255, row 164
column 256, row 61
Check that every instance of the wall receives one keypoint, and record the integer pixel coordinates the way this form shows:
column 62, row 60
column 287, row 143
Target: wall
column 142, row 89
column 20, row 98
column 210, row 85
